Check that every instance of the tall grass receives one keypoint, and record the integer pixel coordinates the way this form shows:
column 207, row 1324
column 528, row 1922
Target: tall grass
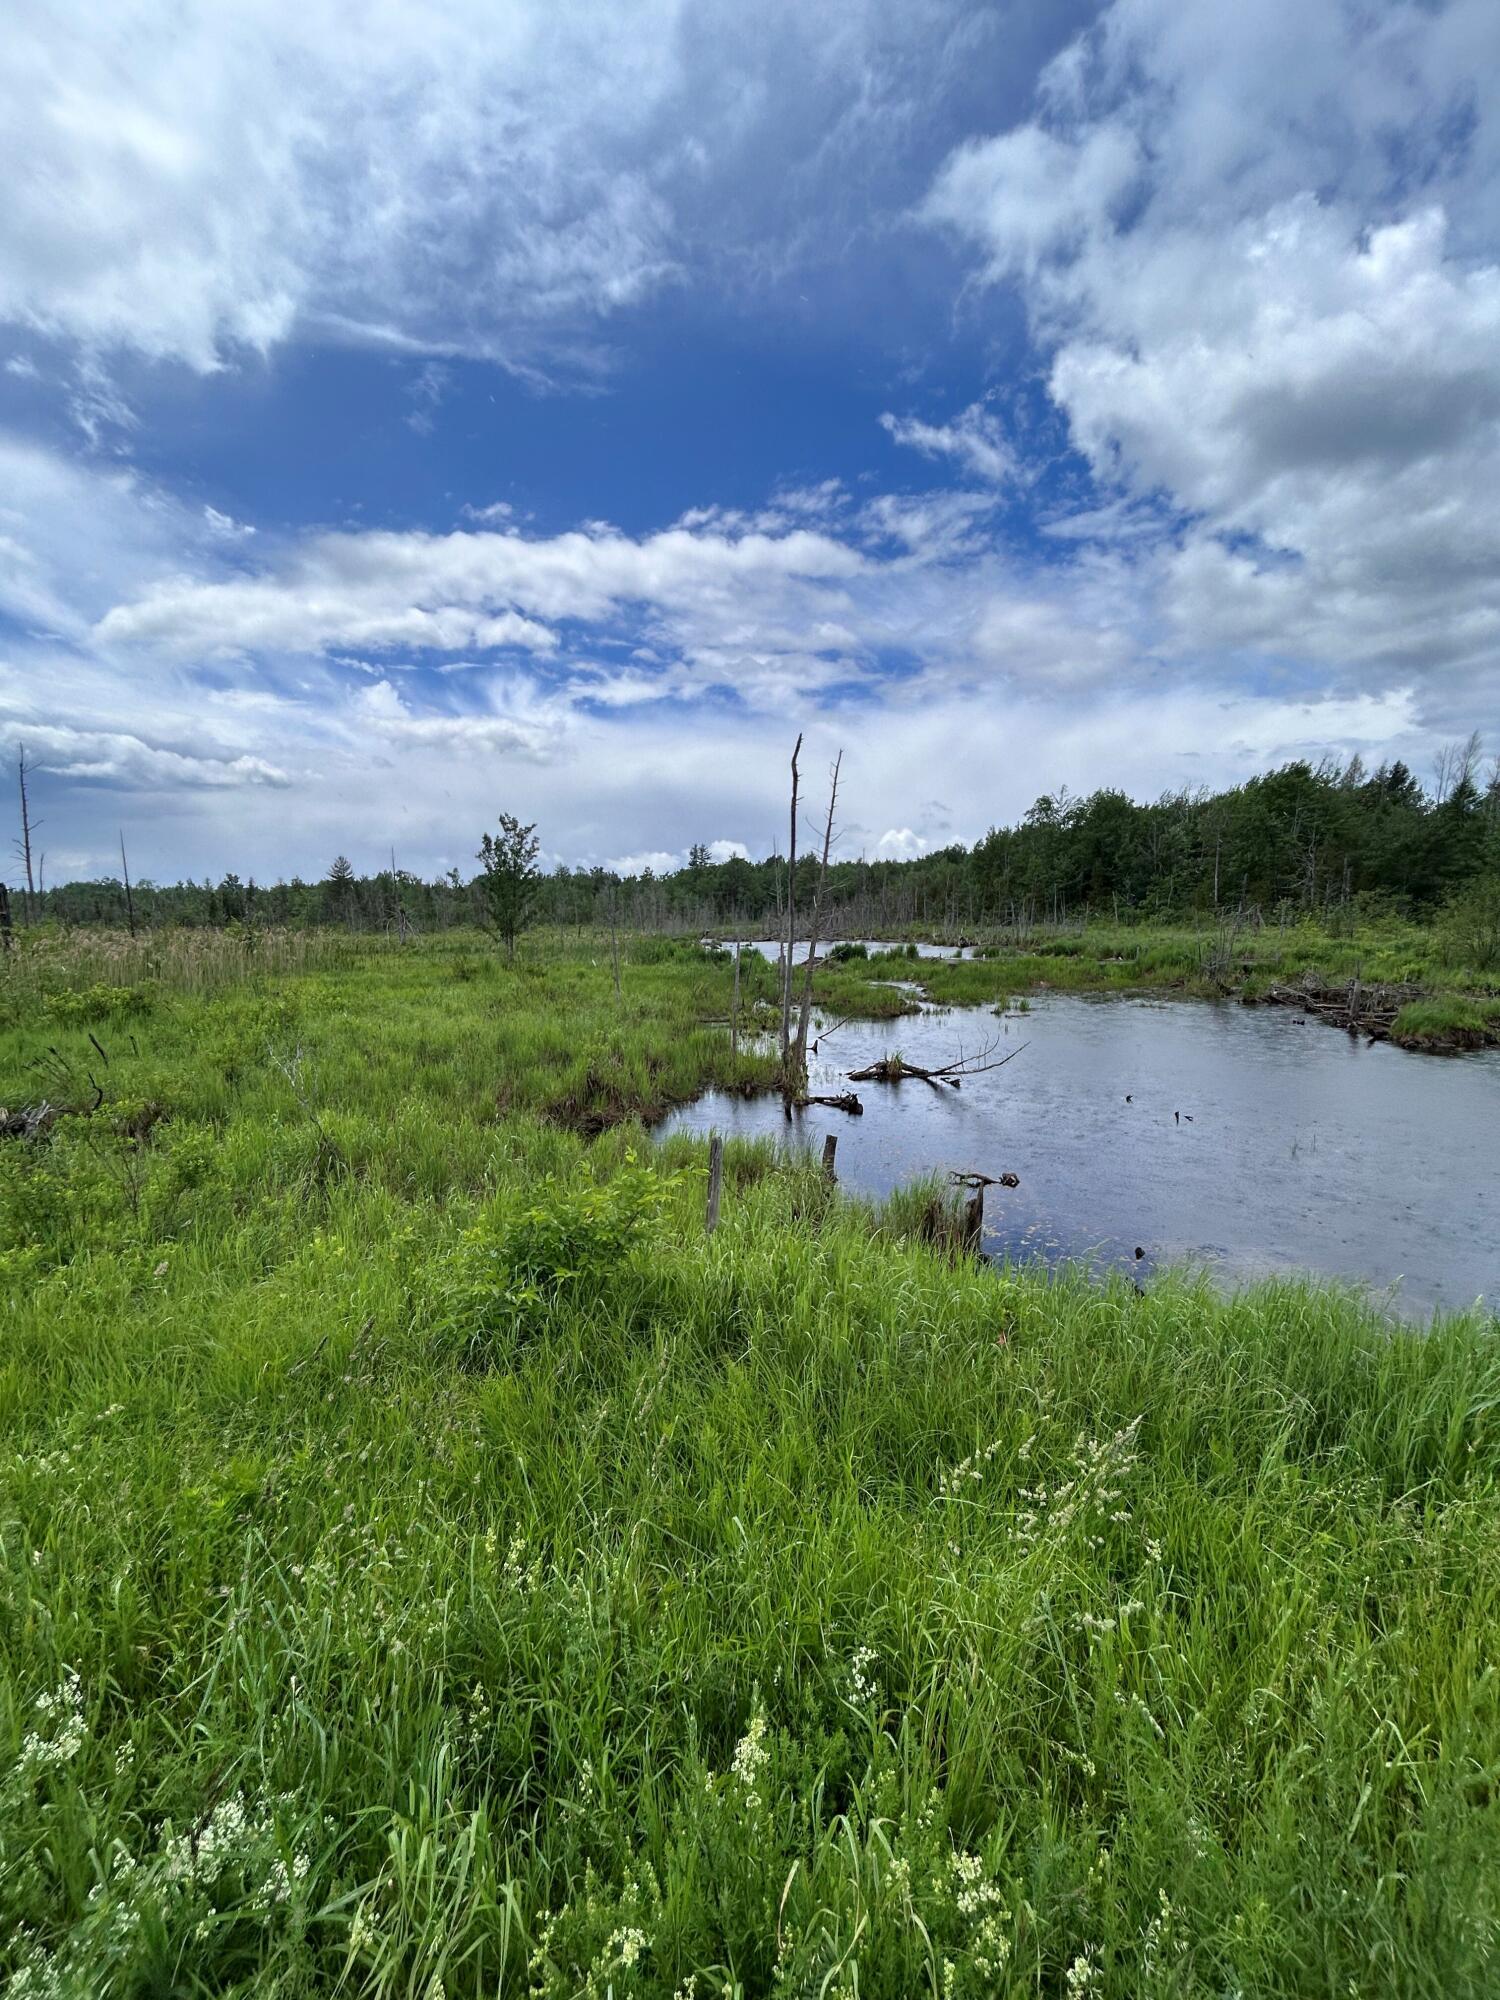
column 431, row 1566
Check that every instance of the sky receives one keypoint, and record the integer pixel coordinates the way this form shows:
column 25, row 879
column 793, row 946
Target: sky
column 411, row 413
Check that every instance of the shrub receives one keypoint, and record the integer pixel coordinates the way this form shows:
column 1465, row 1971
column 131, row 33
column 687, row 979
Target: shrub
column 1469, row 928
column 96, row 1003
column 514, row 1269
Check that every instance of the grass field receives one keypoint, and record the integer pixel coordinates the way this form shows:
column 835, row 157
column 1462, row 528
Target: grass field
column 432, row 1567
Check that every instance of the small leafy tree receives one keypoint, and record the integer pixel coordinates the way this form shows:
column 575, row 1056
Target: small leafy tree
column 1469, row 928
column 509, row 876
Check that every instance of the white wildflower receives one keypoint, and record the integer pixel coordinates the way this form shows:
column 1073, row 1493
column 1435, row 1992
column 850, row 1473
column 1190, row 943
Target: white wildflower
column 863, row 1687
column 751, row 1757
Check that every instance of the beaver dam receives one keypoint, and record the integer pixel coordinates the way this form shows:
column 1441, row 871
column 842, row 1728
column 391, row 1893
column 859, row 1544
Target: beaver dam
column 1205, row 1133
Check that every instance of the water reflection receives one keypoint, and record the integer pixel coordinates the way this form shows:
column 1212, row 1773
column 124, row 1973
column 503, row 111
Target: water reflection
column 1213, row 1134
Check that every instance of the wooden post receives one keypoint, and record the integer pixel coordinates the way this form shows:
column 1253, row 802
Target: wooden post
column 5, row 938
column 715, row 1180
column 734, row 1017
column 974, row 1220
column 830, row 1147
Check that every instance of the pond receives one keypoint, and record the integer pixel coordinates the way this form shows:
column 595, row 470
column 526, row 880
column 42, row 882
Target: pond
column 770, row 948
column 1217, row 1135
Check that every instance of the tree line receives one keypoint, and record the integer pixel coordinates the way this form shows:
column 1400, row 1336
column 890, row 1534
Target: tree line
column 1303, row 839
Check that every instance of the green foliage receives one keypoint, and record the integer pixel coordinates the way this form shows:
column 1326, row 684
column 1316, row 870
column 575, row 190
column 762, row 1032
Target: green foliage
column 509, row 876
column 1469, row 928
column 97, row 1002
column 791, row 1610
column 568, row 1245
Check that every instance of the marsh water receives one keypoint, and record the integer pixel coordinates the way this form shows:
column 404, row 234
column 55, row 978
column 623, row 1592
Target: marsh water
column 1217, row 1135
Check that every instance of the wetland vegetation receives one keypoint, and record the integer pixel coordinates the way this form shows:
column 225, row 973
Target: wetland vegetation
column 433, row 1565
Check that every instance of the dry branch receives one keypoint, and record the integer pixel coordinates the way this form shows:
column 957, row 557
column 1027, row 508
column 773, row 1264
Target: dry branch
column 892, row 1069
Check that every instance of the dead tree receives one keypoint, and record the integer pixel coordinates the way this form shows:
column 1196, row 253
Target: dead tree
column 815, row 927
column 791, row 918
column 5, row 937
column 125, row 872
column 23, row 845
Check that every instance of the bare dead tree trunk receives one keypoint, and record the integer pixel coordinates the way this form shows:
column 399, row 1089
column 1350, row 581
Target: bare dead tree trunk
column 817, row 920
column 734, row 1013
column 5, row 937
column 614, row 945
column 23, row 846
column 125, row 872
column 791, row 917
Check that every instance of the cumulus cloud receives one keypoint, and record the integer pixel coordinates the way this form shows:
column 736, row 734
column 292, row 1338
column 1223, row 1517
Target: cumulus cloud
column 1261, row 251
column 899, row 843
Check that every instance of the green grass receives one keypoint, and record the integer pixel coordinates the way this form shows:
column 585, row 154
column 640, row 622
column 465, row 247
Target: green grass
column 431, row 1566
column 1202, row 960
column 1447, row 1022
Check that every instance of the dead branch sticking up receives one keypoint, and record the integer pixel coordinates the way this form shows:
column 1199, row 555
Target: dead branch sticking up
column 895, row 1068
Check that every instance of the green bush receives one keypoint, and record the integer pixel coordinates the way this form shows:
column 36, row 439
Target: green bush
column 514, row 1268
column 1469, row 928
column 96, row 1003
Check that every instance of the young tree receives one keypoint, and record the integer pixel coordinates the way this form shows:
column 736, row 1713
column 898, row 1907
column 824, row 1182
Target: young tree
column 509, row 876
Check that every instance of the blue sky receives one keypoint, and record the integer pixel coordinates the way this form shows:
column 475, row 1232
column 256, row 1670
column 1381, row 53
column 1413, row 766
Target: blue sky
column 411, row 413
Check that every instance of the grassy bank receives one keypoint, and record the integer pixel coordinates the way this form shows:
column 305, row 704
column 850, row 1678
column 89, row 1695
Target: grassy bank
column 1457, row 1006
column 431, row 1566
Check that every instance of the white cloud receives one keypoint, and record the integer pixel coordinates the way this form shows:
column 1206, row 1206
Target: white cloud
column 946, row 659
column 658, row 859
column 1261, row 251
column 899, row 843
column 1029, row 194
column 974, row 439
column 123, row 759
column 225, row 526
column 188, row 181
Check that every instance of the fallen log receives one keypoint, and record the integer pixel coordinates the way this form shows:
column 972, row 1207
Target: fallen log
column 893, row 1069
column 844, row 1100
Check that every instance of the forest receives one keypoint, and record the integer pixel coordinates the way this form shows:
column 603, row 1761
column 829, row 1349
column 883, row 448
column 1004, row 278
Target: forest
column 1299, row 841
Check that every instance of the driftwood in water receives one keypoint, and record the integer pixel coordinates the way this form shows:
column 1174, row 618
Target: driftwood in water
column 892, row 1069
column 1365, row 1010
column 973, row 1217
column 844, row 1100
